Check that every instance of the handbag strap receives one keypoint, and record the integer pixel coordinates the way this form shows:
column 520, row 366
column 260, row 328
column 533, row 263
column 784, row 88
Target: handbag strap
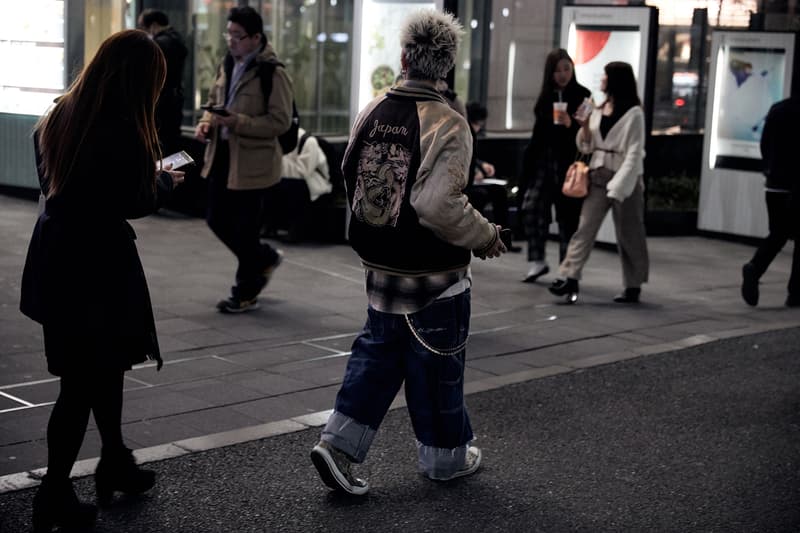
column 580, row 156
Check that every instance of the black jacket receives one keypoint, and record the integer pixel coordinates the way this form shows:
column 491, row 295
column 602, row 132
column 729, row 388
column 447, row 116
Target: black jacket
column 83, row 280
column 552, row 148
column 778, row 145
column 169, row 110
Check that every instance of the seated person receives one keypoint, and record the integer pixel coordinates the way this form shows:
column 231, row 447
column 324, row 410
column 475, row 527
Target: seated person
column 479, row 192
column 305, row 177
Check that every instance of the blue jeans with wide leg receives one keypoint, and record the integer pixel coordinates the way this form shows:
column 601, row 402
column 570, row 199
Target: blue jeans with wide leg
column 426, row 350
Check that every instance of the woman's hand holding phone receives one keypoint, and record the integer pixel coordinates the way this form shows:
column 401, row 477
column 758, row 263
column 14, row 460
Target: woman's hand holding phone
column 176, row 175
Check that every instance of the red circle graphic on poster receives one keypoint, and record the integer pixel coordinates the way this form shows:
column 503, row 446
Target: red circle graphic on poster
column 590, row 43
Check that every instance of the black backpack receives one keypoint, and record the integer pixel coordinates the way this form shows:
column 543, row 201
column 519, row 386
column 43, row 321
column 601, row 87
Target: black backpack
column 288, row 139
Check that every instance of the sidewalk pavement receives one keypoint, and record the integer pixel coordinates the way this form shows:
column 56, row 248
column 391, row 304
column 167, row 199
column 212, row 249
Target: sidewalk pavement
column 701, row 439
column 236, row 378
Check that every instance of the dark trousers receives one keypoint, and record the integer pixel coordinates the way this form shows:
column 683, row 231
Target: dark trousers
column 235, row 218
column 537, row 203
column 784, row 224
column 99, row 392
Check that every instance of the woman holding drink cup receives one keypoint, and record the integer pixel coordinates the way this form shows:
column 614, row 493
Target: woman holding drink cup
column 614, row 135
column 547, row 157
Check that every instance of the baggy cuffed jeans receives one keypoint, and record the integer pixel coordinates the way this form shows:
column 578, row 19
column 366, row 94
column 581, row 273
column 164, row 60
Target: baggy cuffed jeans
column 386, row 354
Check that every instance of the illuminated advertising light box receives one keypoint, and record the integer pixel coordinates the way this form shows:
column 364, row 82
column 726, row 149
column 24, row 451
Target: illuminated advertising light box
column 597, row 35
column 31, row 56
column 376, row 33
column 749, row 76
column 749, row 72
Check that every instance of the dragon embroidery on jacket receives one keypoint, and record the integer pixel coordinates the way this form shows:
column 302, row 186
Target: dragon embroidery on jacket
column 381, row 183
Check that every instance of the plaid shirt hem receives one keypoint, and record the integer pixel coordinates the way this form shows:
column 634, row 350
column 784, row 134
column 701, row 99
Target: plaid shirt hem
column 400, row 295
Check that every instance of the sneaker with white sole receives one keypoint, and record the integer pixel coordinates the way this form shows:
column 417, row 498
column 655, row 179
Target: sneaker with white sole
column 472, row 462
column 234, row 305
column 334, row 469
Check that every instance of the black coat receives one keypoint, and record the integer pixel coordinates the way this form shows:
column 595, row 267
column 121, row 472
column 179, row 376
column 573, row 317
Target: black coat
column 83, row 280
column 169, row 110
column 778, row 145
column 552, row 148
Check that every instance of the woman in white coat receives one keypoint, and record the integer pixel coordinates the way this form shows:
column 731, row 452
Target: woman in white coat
column 614, row 135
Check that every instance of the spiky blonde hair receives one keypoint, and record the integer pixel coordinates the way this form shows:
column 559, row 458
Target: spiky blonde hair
column 429, row 40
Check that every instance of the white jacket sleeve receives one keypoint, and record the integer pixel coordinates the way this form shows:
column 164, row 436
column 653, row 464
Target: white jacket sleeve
column 627, row 175
column 437, row 197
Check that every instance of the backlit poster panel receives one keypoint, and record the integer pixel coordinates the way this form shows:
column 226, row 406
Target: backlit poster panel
column 748, row 72
column 377, row 46
column 593, row 47
column 596, row 36
column 747, row 81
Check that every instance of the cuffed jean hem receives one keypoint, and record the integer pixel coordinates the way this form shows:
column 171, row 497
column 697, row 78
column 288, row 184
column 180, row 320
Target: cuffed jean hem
column 348, row 436
column 441, row 463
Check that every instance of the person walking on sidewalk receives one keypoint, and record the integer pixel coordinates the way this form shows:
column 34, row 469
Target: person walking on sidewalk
column 783, row 200
column 405, row 167
column 96, row 154
column 546, row 159
column 614, row 135
column 243, row 156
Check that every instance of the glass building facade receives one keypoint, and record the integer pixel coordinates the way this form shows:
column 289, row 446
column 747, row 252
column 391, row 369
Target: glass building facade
column 499, row 64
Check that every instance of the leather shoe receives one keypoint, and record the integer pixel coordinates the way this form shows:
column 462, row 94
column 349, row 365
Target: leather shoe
column 628, row 296
column 749, row 284
column 560, row 287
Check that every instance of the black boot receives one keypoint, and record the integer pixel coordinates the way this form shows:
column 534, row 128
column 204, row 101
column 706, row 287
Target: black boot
column 628, row 296
column 56, row 504
column 749, row 284
column 117, row 471
column 565, row 287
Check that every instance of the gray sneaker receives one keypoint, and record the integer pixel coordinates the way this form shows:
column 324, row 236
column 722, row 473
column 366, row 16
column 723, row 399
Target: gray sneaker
column 472, row 462
column 334, row 469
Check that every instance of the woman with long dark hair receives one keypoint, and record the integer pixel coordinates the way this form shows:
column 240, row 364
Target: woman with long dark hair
column 614, row 135
column 97, row 152
column 547, row 157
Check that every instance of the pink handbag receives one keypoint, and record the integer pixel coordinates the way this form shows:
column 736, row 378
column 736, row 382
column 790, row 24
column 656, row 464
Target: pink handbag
column 576, row 182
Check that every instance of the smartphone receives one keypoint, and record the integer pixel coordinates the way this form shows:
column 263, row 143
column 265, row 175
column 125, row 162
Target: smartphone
column 507, row 236
column 217, row 110
column 178, row 160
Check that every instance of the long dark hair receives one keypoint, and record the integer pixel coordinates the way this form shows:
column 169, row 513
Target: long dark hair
column 621, row 86
column 124, row 80
column 548, row 85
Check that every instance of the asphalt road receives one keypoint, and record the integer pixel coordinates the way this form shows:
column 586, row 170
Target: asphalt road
column 703, row 439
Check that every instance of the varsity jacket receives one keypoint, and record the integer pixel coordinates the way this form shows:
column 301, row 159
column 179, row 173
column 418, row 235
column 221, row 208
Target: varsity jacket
column 405, row 168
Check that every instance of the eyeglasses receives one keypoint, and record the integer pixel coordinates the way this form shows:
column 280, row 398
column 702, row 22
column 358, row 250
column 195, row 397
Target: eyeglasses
column 234, row 37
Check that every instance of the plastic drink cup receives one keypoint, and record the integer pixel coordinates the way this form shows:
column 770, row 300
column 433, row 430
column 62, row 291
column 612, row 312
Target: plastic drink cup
column 584, row 110
column 559, row 110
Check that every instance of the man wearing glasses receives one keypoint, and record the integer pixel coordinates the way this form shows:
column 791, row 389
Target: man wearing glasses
column 241, row 125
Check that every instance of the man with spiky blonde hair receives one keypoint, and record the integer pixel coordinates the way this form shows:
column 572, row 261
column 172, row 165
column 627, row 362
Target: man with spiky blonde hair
column 405, row 168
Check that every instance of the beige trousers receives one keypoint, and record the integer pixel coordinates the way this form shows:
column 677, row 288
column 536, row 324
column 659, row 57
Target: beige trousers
column 628, row 217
